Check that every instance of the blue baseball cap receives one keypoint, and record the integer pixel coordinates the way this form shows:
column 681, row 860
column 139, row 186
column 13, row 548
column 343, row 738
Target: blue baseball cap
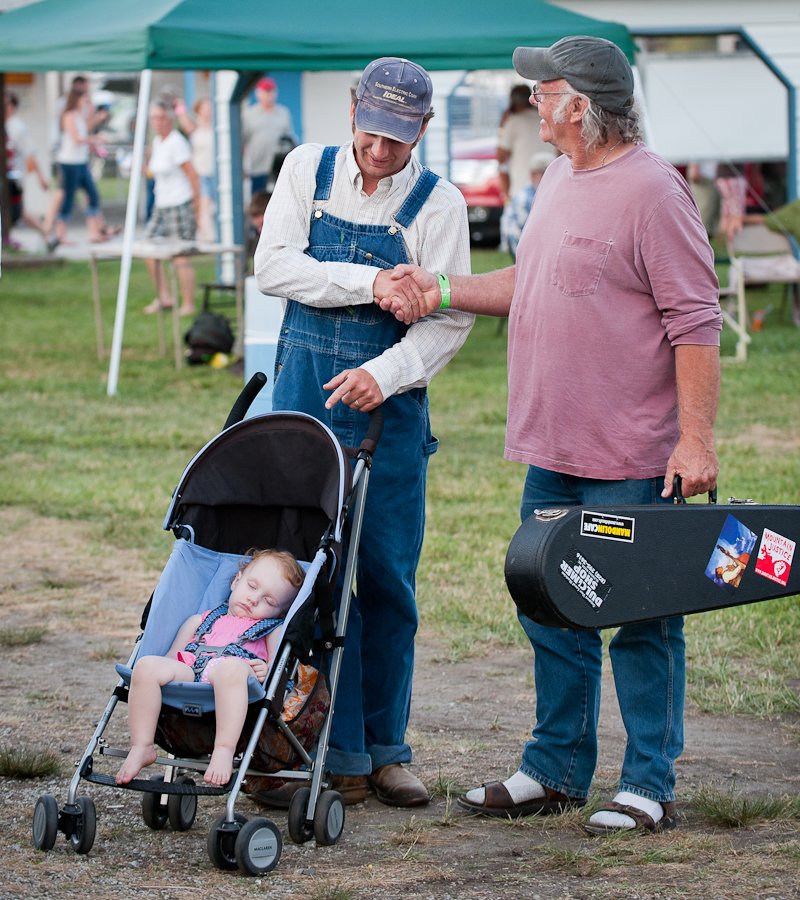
column 393, row 96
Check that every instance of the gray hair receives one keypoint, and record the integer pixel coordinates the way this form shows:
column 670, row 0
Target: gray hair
column 598, row 124
column 163, row 106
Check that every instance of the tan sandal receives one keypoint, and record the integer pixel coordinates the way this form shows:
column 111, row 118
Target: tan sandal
column 498, row 803
column 644, row 822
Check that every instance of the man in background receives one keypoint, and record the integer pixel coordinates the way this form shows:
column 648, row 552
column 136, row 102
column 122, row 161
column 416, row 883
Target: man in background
column 516, row 213
column 20, row 160
column 264, row 124
column 517, row 140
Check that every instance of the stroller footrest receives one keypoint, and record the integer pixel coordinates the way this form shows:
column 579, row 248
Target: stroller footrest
column 159, row 787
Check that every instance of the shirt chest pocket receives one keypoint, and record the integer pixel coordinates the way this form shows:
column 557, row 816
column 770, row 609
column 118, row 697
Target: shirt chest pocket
column 579, row 265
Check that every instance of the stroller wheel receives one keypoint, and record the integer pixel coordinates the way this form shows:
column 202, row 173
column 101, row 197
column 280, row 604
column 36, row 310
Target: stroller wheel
column 329, row 818
column 182, row 808
column 221, row 842
column 154, row 807
column 258, row 846
column 299, row 829
column 84, row 825
column 45, row 822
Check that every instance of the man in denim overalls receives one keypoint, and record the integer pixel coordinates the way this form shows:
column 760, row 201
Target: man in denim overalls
column 339, row 220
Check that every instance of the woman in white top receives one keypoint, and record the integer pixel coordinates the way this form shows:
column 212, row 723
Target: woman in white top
column 177, row 203
column 73, row 160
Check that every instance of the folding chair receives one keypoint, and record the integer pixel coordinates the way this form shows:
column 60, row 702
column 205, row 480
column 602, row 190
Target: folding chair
column 760, row 256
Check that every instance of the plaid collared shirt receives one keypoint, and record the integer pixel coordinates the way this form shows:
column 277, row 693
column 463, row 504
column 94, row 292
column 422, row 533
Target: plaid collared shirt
column 437, row 240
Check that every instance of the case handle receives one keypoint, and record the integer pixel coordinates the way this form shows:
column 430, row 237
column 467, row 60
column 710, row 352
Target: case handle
column 678, row 494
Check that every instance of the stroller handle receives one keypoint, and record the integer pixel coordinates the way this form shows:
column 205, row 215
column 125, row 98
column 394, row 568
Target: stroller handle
column 374, row 431
column 249, row 393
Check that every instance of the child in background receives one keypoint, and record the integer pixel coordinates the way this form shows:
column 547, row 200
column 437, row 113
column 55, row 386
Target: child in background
column 255, row 215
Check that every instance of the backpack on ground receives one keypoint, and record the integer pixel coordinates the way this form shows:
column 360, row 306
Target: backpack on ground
column 210, row 333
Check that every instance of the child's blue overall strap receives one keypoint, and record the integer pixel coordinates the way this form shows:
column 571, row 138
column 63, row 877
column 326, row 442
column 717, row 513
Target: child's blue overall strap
column 205, row 652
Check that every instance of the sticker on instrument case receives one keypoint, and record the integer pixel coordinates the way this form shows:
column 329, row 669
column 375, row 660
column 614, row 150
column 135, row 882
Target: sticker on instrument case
column 775, row 555
column 586, row 580
column 731, row 554
column 607, row 527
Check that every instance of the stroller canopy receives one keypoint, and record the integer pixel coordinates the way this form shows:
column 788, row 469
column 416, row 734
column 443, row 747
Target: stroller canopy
column 276, row 480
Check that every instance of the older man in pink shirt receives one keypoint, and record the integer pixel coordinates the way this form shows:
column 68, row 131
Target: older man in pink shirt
column 613, row 372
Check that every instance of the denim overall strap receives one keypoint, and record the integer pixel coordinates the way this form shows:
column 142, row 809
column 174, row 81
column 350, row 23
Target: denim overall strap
column 205, row 626
column 374, row 697
column 325, row 173
column 317, row 343
column 415, row 200
column 206, row 652
column 261, row 629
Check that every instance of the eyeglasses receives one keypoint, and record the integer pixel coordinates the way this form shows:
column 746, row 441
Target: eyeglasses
column 537, row 94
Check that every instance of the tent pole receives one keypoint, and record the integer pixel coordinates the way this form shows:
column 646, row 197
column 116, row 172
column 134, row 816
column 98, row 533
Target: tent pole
column 137, row 162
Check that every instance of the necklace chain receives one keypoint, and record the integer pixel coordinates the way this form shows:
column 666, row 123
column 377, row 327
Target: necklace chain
column 605, row 157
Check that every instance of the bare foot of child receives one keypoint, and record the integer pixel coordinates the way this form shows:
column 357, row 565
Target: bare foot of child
column 136, row 760
column 220, row 767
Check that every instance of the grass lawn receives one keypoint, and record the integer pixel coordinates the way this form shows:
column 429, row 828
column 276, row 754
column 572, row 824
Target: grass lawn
column 73, row 453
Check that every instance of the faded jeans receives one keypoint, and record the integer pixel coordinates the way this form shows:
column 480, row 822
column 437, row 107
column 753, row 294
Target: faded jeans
column 647, row 659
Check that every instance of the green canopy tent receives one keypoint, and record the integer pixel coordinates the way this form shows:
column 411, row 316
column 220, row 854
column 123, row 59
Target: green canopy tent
column 255, row 35
column 308, row 35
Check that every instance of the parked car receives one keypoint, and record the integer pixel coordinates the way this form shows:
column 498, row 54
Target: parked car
column 474, row 171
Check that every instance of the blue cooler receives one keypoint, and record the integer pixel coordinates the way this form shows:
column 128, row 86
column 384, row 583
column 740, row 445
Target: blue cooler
column 262, row 325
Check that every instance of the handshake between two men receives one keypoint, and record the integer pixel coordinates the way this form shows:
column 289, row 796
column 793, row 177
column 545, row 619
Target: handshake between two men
column 408, row 292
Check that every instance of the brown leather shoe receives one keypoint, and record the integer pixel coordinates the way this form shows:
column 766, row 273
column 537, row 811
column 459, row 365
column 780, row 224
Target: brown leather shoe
column 353, row 788
column 396, row 786
column 272, row 797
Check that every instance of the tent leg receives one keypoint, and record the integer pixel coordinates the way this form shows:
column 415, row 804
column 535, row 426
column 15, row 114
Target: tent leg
column 145, row 85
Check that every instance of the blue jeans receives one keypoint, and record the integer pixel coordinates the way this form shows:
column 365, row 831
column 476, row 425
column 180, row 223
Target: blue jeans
column 374, row 697
column 373, row 701
column 74, row 177
column 647, row 659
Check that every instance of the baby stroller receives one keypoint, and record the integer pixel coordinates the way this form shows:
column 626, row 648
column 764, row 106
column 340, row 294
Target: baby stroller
column 278, row 480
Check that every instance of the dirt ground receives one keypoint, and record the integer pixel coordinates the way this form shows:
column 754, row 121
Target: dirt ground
column 468, row 723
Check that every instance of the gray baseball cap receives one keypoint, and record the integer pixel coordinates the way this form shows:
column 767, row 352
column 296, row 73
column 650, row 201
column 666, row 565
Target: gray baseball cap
column 593, row 66
column 393, row 96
